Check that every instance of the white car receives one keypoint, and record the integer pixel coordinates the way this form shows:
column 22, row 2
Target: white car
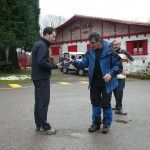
column 66, row 67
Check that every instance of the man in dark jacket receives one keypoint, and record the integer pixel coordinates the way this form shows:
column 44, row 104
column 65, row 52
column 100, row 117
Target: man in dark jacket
column 41, row 72
column 104, row 64
column 118, row 92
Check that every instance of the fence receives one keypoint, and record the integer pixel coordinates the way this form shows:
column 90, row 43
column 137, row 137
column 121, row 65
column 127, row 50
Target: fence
column 24, row 63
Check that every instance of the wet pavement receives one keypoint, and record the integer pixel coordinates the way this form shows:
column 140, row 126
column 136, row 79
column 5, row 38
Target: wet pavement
column 70, row 113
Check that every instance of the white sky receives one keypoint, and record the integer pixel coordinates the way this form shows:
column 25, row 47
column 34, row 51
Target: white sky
column 135, row 10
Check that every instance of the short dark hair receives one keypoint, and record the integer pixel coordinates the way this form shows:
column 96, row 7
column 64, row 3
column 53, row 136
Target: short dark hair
column 48, row 30
column 94, row 36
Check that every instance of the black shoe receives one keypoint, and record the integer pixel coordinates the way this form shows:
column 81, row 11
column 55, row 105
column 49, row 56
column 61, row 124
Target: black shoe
column 94, row 127
column 120, row 112
column 105, row 129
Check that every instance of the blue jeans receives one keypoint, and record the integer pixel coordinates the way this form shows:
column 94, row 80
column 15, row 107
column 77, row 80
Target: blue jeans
column 100, row 99
column 107, row 114
column 118, row 93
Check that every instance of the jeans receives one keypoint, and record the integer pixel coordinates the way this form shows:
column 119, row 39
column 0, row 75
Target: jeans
column 118, row 93
column 100, row 99
column 107, row 115
column 42, row 99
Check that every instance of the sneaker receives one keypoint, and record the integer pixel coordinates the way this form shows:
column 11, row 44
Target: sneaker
column 105, row 129
column 120, row 112
column 37, row 129
column 94, row 127
column 49, row 132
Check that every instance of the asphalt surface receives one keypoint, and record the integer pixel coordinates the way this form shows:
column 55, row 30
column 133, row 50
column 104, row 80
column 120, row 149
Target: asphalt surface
column 70, row 113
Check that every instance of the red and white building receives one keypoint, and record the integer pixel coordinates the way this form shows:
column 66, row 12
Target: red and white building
column 72, row 36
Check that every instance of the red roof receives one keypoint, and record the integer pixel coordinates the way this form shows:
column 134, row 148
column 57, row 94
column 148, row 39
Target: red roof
column 81, row 17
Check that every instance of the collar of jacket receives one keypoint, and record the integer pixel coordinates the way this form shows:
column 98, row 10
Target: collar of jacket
column 119, row 50
column 105, row 49
column 46, row 41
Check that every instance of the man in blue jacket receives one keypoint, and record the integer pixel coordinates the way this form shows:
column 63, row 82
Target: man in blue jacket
column 104, row 64
column 41, row 72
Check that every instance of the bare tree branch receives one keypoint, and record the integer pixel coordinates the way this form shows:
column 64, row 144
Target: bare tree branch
column 51, row 21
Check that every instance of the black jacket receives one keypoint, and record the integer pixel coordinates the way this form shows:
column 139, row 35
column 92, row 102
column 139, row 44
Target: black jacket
column 41, row 66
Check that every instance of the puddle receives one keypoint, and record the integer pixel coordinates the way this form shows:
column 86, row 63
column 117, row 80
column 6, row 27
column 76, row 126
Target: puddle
column 122, row 121
column 78, row 135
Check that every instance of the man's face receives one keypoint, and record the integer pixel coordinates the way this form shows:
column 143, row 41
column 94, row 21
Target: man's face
column 95, row 45
column 116, row 45
column 51, row 37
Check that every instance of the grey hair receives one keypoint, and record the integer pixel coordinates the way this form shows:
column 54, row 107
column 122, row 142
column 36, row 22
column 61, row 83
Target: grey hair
column 116, row 41
column 94, row 36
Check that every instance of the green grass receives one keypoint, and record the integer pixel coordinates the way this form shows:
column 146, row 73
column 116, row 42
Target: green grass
column 55, row 76
column 147, row 77
column 19, row 72
column 2, row 82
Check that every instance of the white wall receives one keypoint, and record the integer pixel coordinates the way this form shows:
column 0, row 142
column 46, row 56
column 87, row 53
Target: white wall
column 82, row 47
column 138, row 59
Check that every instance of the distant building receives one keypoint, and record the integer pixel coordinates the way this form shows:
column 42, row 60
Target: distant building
column 134, row 36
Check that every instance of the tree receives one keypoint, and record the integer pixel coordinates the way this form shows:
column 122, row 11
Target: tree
column 50, row 20
column 19, row 25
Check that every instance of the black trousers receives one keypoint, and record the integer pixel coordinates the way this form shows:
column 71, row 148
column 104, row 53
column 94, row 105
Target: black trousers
column 118, row 93
column 42, row 99
column 99, row 97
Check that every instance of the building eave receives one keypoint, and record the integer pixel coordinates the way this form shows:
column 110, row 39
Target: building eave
column 98, row 19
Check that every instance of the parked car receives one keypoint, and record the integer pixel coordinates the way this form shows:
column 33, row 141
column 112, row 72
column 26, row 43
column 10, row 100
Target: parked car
column 66, row 66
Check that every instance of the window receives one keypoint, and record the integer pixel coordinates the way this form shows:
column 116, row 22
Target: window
column 137, row 47
column 72, row 48
column 88, row 46
column 55, row 50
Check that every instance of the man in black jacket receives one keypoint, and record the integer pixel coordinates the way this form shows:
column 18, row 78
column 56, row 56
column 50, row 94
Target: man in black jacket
column 41, row 72
column 118, row 92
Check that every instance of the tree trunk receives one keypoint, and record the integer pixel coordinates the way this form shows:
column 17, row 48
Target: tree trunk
column 13, row 57
column 2, row 55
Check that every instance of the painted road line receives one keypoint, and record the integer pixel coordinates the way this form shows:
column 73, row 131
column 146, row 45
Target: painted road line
column 84, row 82
column 10, row 88
column 84, row 79
column 64, row 83
column 15, row 85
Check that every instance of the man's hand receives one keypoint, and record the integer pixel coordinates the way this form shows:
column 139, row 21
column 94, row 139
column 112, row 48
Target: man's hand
column 71, row 61
column 124, row 72
column 59, row 65
column 107, row 77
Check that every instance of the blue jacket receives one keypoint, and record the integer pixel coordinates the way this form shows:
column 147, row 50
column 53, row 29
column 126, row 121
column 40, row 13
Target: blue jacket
column 110, row 62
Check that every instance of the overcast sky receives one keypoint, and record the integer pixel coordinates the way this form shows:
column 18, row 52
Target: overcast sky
column 135, row 10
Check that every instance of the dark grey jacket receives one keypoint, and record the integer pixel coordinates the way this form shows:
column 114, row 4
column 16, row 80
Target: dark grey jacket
column 41, row 66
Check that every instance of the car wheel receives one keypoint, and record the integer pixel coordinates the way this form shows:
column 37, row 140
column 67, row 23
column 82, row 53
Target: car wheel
column 65, row 70
column 81, row 72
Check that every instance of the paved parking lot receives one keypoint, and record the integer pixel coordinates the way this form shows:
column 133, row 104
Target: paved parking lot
column 70, row 114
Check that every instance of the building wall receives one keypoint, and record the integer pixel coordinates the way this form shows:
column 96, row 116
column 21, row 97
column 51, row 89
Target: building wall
column 78, row 32
column 108, row 29
column 141, row 60
column 81, row 29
